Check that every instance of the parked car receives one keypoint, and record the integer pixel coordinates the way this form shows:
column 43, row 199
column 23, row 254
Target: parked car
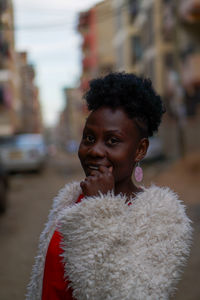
column 3, row 189
column 23, row 152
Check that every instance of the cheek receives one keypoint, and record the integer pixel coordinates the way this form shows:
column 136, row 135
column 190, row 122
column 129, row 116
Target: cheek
column 123, row 162
column 81, row 152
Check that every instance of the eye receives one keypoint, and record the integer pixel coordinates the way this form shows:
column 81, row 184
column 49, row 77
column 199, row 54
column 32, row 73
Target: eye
column 88, row 138
column 113, row 141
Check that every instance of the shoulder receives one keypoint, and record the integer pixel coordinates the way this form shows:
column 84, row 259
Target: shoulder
column 161, row 200
column 146, row 242
column 67, row 195
column 157, row 194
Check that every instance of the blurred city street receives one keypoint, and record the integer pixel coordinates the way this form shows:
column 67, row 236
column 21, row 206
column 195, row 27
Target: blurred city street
column 49, row 53
column 30, row 198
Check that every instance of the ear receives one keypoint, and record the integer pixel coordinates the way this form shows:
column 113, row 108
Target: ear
column 142, row 149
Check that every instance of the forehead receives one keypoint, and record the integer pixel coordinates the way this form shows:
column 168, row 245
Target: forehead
column 106, row 118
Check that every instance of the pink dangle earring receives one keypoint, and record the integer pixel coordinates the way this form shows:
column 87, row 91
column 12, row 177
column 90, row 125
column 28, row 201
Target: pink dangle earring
column 138, row 172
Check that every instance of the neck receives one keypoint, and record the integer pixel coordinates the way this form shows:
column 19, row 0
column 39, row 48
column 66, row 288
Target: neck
column 127, row 188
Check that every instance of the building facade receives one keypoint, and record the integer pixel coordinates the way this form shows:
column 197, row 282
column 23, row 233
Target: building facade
column 72, row 118
column 30, row 112
column 9, row 94
column 160, row 39
column 87, row 29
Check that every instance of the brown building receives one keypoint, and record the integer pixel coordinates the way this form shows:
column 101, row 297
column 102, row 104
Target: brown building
column 87, row 29
column 31, row 119
column 97, row 29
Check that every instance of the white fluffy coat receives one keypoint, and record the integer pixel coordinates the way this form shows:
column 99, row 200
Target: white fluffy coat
column 113, row 251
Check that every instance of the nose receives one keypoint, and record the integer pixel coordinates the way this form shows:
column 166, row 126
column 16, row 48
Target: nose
column 96, row 150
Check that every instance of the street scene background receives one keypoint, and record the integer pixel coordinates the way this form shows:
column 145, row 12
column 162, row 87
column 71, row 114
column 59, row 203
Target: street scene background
column 39, row 137
column 30, row 198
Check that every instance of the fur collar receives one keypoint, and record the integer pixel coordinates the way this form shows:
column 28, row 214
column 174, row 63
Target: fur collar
column 115, row 251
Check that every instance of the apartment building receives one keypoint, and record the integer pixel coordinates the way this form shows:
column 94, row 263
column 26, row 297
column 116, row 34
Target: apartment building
column 72, row 118
column 9, row 97
column 30, row 111
column 97, row 29
column 105, row 30
column 139, row 41
column 87, row 29
column 160, row 40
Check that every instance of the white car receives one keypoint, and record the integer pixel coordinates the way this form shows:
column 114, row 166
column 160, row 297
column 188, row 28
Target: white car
column 23, row 152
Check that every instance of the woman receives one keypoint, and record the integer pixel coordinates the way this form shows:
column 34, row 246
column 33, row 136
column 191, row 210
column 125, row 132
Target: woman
column 108, row 238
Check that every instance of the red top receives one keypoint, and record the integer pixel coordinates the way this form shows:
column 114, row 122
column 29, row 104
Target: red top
column 54, row 284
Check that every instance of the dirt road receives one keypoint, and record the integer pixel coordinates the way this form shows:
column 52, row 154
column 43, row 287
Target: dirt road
column 30, row 199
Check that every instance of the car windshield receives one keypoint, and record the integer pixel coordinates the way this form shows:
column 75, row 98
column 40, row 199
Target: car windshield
column 7, row 141
column 22, row 141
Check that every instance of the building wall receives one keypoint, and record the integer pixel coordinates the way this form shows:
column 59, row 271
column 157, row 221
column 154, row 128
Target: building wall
column 106, row 58
column 72, row 118
column 87, row 29
column 96, row 27
column 9, row 100
column 30, row 112
column 160, row 40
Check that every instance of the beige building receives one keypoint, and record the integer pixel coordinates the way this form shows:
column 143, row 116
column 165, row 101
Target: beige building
column 139, row 40
column 9, row 96
column 72, row 118
column 160, row 39
column 105, row 30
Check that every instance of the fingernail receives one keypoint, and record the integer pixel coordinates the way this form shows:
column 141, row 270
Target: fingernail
column 110, row 169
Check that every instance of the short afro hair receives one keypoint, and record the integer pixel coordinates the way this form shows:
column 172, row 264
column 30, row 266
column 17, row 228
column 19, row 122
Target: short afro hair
column 132, row 93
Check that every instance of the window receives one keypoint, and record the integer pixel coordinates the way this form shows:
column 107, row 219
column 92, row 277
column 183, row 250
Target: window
column 136, row 49
column 133, row 6
column 148, row 29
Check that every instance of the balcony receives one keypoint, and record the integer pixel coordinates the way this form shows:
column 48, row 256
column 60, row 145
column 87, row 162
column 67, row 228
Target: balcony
column 191, row 71
column 190, row 11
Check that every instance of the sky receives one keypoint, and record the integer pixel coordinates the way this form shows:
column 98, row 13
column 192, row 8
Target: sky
column 47, row 30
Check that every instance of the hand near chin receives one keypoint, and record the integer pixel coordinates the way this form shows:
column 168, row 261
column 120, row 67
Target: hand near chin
column 100, row 180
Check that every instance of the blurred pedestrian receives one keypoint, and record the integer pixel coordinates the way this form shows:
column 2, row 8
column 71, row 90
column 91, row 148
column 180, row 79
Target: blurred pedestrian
column 108, row 237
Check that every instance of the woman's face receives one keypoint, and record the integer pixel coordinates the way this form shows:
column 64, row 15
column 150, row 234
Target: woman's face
column 110, row 139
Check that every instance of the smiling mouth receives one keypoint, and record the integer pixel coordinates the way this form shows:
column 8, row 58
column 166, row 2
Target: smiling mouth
column 96, row 167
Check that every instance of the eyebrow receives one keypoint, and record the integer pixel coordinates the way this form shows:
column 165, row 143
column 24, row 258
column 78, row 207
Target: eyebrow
column 110, row 131
column 114, row 131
